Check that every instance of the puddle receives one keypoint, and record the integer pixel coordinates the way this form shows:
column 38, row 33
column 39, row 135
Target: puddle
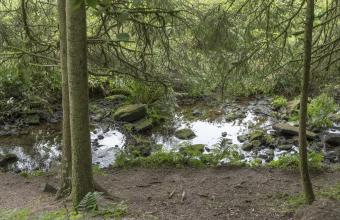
column 34, row 153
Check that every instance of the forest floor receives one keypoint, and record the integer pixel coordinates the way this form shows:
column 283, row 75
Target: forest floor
column 211, row 193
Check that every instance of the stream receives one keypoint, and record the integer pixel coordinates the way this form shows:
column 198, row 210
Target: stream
column 40, row 148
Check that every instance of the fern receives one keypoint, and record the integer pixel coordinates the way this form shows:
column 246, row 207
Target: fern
column 89, row 202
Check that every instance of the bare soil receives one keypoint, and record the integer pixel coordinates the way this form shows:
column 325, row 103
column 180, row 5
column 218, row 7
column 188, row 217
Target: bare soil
column 213, row 193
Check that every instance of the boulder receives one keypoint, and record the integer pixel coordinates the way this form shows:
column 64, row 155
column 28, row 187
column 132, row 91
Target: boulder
column 242, row 138
column 48, row 188
column 289, row 130
column 185, row 134
column 130, row 113
column 333, row 139
column 140, row 125
column 249, row 146
column 8, row 159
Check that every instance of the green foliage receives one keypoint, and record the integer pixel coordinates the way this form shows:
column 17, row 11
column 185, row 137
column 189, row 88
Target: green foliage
column 34, row 173
column 145, row 93
column 89, row 202
column 320, row 109
column 187, row 156
column 315, row 161
column 15, row 214
column 279, row 102
column 98, row 171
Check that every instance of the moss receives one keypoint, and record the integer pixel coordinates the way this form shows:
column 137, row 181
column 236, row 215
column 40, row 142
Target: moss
column 130, row 113
column 185, row 134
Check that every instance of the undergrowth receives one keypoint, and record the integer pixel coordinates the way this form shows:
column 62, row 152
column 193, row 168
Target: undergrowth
column 315, row 162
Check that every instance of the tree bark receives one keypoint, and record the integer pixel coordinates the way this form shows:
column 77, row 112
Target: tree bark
column 82, row 179
column 307, row 185
column 66, row 162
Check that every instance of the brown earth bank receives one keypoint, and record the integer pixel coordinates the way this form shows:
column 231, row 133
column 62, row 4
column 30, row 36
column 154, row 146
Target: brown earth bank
column 212, row 193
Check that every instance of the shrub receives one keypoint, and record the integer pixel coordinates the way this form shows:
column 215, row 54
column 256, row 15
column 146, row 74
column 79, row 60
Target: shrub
column 320, row 109
column 292, row 161
column 279, row 102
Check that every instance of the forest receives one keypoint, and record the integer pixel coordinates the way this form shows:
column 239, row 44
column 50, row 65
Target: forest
column 169, row 109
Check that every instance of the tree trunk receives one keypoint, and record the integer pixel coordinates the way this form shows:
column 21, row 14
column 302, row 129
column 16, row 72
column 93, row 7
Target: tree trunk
column 82, row 179
column 307, row 185
column 66, row 163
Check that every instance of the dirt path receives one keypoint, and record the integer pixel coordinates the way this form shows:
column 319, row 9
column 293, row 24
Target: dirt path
column 221, row 193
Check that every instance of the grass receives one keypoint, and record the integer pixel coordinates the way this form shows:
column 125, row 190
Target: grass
column 113, row 211
column 292, row 202
column 35, row 173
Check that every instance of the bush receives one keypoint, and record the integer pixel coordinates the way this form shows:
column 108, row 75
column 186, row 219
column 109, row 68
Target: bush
column 187, row 157
column 319, row 111
column 315, row 161
column 279, row 102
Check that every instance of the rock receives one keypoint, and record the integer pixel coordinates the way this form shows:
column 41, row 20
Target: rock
column 266, row 154
column 335, row 117
column 320, row 209
column 8, row 159
column 49, row 188
column 242, row 138
column 197, row 112
column 232, row 116
column 185, row 134
column 140, row 126
column 116, row 98
column 256, row 135
column 249, row 146
column 224, row 134
column 100, row 137
column 289, row 130
column 32, row 119
column 332, row 156
column 130, row 113
column 286, row 147
column 333, row 139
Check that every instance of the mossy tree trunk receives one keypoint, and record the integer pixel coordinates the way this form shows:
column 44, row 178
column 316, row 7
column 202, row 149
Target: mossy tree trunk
column 66, row 164
column 82, row 179
column 307, row 185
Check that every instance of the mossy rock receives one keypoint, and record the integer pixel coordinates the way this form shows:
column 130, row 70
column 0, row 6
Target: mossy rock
column 251, row 145
column 289, row 130
column 116, row 98
column 257, row 135
column 140, row 125
column 130, row 113
column 185, row 134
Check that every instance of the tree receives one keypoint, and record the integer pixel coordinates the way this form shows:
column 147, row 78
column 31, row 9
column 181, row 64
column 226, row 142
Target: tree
column 307, row 185
column 82, row 178
column 66, row 144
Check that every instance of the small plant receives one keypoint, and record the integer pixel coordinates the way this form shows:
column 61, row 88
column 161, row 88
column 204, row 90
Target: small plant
column 97, row 170
column 292, row 161
column 89, row 202
column 319, row 111
column 34, row 173
column 279, row 102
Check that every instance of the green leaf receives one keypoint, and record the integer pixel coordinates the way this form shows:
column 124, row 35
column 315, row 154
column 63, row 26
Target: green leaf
column 92, row 3
column 123, row 37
